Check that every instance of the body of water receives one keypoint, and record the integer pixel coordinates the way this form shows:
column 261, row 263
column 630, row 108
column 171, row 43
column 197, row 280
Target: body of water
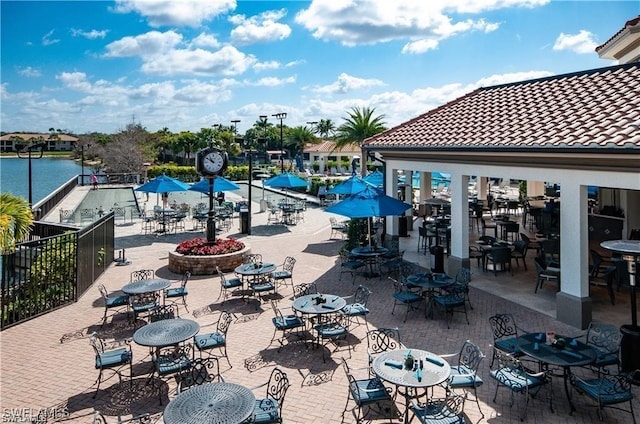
column 47, row 174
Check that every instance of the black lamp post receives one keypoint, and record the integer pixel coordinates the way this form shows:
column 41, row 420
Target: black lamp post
column 82, row 146
column 281, row 116
column 21, row 150
column 248, row 145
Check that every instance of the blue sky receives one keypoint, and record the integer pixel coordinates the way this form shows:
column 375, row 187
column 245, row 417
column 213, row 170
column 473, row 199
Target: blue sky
column 87, row 66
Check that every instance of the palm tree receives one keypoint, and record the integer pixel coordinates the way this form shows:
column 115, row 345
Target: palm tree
column 325, row 128
column 298, row 137
column 360, row 125
column 16, row 220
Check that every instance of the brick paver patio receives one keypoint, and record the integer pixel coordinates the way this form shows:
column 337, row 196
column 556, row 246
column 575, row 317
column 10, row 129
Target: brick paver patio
column 48, row 363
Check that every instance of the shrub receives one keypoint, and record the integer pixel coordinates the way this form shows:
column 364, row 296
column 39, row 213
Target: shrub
column 200, row 247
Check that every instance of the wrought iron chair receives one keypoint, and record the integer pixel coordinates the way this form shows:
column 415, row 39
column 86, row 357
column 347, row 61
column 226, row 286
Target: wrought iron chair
column 453, row 300
column 544, row 274
column 268, row 409
column 217, row 339
column 112, row 302
column 285, row 325
column 227, row 285
column 499, row 257
column 304, row 289
column 464, row 375
column 144, row 303
column 607, row 390
column 338, row 230
column 392, row 266
column 405, row 296
column 162, row 312
column 447, row 410
column 142, row 274
column 332, row 330
column 178, row 294
column 512, row 374
column 202, row 371
column 350, row 264
column 285, row 273
column 365, row 393
column 87, row 214
column 519, row 251
column 99, row 418
column 171, row 361
column 605, row 340
column 358, row 306
column 109, row 358
column 462, row 280
column 381, row 340
column 505, row 333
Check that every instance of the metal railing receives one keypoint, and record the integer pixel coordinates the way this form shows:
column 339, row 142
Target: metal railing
column 46, row 205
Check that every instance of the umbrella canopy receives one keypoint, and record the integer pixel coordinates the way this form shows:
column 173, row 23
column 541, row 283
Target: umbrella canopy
column 369, row 203
column 219, row 184
column 351, row 185
column 376, row 178
column 285, row 180
column 163, row 184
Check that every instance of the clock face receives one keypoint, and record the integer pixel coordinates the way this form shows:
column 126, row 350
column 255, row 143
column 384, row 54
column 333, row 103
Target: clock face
column 213, row 162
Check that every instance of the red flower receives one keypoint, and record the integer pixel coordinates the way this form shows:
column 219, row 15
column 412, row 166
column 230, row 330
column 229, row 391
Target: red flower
column 199, row 246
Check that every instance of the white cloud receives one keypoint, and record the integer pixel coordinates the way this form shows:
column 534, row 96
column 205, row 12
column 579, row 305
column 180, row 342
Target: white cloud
column 91, row 35
column 347, row 83
column 260, row 28
column 29, row 72
column 47, row 40
column 191, row 13
column 205, row 40
column 295, row 63
column 581, row 43
column 149, row 44
column 262, row 66
column 273, row 81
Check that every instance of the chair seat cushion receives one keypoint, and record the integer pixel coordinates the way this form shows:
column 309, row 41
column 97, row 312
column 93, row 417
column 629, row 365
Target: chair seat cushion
column 463, row 376
column 515, row 379
column 208, row 341
column 279, row 275
column 112, row 358
column 449, row 300
column 266, row 411
column 356, row 309
column 176, row 292
column 433, row 414
column 508, row 345
column 114, row 301
column 407, row 297
column 231, row 283
column 287, row 322
column 605, row 358
column 327, row 331
column 169, row 365
column 603, row 391
column 368, row 391
column 143, row 307
column 262, row 286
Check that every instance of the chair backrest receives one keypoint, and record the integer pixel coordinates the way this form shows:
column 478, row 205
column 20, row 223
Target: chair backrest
column 224, row 322
column 304, row 289
column 185, row 279
column 393, row 245
column 162, row 312
column 382, row 340
column 525, row 238
column 252, row 258
column 540, row 265
column 277, row 386
column 520, row 246
column 96, row 343
column 501, row 254
column 361, row 295
column 142, row 274
column 143, row 299
column 289, row 263
column 596, row 262
column 408, row 268
column 103, row 291
column 203, row 370
column 223, row 279
column 503, row 325
column 470, row 356
column 604, row 336
column 445, row 410
column 463, row 276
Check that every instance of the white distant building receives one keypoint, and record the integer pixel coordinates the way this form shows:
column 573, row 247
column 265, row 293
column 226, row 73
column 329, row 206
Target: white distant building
column 55, row 142
column 325, row 158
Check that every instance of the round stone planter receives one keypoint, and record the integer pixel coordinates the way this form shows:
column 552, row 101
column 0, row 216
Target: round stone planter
column 205, row 265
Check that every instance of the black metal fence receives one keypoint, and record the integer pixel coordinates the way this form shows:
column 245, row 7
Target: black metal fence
column 56, row 266
column 46, row 205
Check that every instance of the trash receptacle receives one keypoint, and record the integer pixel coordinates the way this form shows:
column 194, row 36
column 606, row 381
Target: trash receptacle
column 244, row 220
column 402, row 226
column 437, row 258
column 630, row 348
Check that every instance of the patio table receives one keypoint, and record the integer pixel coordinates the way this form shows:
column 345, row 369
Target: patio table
column 430, row 284
column 370, row 256
column 146, row 286
column 574, row 354
column 429, row 370
column 166, row 332
column 253, row 271
column 220, row 403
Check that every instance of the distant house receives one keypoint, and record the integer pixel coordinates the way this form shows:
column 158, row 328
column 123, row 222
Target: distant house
column 329, row 158
column 55, row 142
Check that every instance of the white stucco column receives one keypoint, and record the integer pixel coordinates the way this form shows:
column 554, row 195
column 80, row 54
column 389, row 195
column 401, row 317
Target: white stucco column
column 573, row 301
column 535, row 188
column 459, row 222
column 425, row 186
column 482, row 187
column 391, row 184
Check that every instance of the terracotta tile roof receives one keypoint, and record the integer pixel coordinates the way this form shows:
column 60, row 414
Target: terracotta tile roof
column 45, row 136
column 327, row 146
column 592, row 109
column 630, row 23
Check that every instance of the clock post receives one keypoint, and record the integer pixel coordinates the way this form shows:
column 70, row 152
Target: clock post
column 210, row 163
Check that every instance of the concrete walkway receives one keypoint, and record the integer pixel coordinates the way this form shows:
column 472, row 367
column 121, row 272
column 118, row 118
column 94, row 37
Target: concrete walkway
column 47, row 363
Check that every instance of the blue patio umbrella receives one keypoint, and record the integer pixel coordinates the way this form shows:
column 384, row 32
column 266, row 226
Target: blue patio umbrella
column 285, row 180
column 219, row 184
column 351, row 185
column 376, row 178
column 163, row 184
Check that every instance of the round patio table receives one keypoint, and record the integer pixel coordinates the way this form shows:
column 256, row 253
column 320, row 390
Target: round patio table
column 255, row 270
column 146, row 286
column 430, row 284
column 307, row 304
column 219, row 403
column 370, row 256
column 166, row 332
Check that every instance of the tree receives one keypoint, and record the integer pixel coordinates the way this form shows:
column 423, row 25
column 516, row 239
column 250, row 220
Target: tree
column 298, row 137
column 16, row 220
column 325, row 128
column 359, row 125
column 127, row 151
